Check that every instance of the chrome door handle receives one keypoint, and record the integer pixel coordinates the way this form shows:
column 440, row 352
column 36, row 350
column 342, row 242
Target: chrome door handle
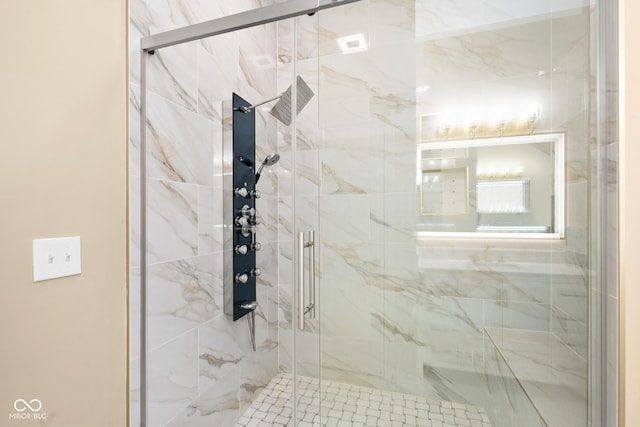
column 301, row 280
column 311, row 308
column 302, row 309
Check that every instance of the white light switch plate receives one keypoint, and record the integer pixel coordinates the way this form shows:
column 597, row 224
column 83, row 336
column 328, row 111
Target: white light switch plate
column 54, row 258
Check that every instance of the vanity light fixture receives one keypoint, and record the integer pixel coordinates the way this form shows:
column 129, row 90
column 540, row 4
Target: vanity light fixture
column 505, row 172
column 447, row 123
column 533, row 117
column 473, row 122
column 504, row 117
column 501, row 123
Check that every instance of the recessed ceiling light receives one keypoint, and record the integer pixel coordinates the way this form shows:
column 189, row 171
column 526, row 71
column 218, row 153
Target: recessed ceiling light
column 352, row 43
column 263, row 62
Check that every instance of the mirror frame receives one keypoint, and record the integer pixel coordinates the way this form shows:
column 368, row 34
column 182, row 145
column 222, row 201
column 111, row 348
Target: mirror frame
column 558, row 140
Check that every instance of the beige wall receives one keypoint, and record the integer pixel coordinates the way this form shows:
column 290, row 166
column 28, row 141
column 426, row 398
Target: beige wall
column 63, row 142
column 630, row 211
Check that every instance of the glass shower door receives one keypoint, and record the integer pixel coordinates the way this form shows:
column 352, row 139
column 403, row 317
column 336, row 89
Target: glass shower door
column 305, row 209
column 199, row 363
column 433, row 303
column 431, row 240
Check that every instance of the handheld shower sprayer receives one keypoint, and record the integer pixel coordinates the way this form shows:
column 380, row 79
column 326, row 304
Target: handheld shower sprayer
column 270, row 160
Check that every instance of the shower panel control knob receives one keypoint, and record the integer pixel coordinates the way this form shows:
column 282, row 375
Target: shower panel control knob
column 255, row 194
column 254, row 220
column 242, row 221
column 241, row 192
column 247, row 210
column 255, row 272
column 242, row 278
column 241, row 249
column 248, row 230
column 255, row 246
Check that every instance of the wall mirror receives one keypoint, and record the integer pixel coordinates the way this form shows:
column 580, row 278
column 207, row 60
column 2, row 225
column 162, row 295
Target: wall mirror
column 506, row 187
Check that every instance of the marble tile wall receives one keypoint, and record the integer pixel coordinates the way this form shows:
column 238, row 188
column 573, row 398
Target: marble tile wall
column 403, row 314
column 396, row 313
column 571, row 92
column 555, row 381
column 200, row 366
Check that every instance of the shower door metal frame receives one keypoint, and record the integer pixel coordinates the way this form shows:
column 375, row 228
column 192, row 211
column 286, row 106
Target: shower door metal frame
column 601, row 386
column 148, row 46
column 239, row 21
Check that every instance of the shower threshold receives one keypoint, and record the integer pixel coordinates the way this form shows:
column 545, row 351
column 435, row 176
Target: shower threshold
column 347, row 405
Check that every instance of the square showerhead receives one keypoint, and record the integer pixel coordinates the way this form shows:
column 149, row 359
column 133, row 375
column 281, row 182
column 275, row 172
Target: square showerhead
column 282, row 109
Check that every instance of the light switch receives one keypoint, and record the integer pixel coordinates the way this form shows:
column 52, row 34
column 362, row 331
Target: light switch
column 54, row 258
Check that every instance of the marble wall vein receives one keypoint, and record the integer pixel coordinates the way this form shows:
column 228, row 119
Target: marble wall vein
column 394, row 308
column 201, row 369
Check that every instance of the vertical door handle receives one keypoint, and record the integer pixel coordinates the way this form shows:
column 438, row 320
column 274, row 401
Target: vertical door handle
column 302, row 309
column 300, row 280
column 312, row 275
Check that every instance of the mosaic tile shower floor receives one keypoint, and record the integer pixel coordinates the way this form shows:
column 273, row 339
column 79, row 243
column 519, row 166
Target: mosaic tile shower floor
column 346, row 405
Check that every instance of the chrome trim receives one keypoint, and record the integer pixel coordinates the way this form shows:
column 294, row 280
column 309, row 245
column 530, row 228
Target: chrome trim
column 252, row 305
column 312, row 275
column 302, row 309
column 143, row 239
column 251, row 320
column 300, row 280
column 238, row 21
column 602, row 401
column 241, row 192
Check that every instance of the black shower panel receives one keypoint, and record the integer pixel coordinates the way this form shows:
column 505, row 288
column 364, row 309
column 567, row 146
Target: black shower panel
column 245, row 218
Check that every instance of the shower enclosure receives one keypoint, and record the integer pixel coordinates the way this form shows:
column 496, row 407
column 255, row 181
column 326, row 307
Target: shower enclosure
column 433, row 235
